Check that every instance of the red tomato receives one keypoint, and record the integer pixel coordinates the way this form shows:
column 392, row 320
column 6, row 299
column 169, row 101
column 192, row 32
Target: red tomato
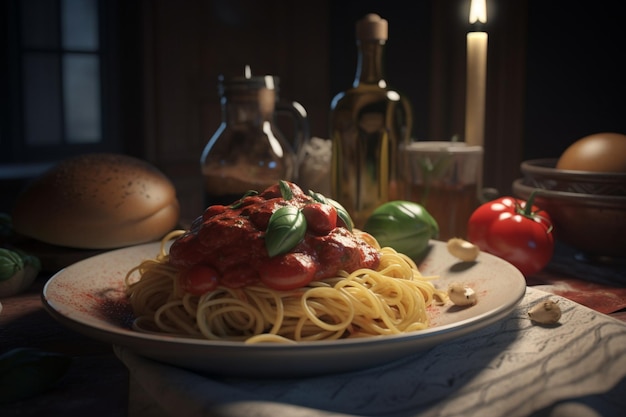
column 514, row 230
column 320, row 218
column 199, row 279
column 288, row 271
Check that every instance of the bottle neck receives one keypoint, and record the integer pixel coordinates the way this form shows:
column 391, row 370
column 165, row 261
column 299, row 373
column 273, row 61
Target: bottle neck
column 369, row 69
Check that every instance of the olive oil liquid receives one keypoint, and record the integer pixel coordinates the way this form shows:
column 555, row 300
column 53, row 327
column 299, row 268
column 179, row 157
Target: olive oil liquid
column 368, row 123
column 367, row 129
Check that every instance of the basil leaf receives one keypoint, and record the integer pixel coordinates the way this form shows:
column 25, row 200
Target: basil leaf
column 318, row 197
column 285, row 190
column 10, row 264
column 342, row 213
column 285, row 230
column 239, row 202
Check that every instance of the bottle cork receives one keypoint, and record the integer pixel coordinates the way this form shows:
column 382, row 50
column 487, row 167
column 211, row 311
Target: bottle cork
column 372, row 27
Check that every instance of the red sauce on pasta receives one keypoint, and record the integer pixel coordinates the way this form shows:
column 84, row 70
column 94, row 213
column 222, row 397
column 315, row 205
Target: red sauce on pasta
column 231, row 241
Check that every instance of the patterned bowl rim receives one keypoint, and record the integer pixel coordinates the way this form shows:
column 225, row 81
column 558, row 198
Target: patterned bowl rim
column 591, row 199
column 545, row 168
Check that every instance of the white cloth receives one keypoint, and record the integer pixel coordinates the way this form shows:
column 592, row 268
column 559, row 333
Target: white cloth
column 511, row 368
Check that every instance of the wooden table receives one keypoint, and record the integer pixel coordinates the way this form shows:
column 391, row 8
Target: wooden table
column 97, row 383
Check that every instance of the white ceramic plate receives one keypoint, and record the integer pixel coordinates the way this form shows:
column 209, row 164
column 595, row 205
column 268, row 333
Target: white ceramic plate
column 88, row 297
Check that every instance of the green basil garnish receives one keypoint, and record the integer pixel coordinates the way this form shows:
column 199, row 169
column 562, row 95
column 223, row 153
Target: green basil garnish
column 239, row 202
column 10, row 264
column 286, row 228
column 318, row 197
column 285, row 191
column 342, row 213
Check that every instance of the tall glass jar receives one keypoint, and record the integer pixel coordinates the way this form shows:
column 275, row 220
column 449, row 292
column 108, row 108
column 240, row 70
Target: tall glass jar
column 368, row 123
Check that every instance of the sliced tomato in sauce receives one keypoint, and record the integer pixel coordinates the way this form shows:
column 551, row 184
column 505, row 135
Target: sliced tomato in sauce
column 199, row 279
column 288, row 271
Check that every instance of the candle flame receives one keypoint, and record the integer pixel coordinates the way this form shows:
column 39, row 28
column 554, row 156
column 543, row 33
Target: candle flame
column 478, row 11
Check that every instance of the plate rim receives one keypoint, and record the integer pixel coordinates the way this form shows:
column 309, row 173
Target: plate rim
column 118, row 335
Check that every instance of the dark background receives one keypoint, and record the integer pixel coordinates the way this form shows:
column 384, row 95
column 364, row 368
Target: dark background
column 575, row 68
column 555, row 74
column 575, row 73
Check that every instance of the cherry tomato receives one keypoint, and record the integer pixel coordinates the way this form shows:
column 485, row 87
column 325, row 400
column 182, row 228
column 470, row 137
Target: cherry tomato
column 185, row 251
column 320, row 218
column 514, row 230
column 288, row 271
column 199, row 279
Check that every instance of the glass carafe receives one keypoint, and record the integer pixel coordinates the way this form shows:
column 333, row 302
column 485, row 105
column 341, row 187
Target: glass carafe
column 248, row 152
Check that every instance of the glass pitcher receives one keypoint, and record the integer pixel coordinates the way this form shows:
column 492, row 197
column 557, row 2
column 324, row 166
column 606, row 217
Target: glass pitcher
column 248, row 151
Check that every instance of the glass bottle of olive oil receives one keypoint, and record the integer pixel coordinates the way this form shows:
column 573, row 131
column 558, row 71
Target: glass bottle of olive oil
column 368, row 124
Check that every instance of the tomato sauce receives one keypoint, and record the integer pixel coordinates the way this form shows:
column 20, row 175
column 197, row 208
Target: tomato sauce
column 230, row 239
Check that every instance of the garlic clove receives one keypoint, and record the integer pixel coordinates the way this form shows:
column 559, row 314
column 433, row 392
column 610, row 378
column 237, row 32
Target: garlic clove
column 462, row 249
column 545, row 312
column 461, row 295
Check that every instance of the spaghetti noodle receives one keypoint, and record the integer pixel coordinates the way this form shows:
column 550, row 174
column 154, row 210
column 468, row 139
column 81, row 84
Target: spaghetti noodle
column 391, row 299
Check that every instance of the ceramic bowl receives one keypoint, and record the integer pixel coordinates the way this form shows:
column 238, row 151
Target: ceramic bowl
column 592, row 223
column 541, row 173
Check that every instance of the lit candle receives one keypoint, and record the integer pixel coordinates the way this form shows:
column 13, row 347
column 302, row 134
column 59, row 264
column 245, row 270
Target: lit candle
column 476, row 76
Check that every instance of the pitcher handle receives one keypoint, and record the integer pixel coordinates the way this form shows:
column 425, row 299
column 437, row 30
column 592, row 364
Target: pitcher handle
column 302, row 129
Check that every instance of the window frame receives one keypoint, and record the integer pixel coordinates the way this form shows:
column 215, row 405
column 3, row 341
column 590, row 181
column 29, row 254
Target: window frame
column 12, row 122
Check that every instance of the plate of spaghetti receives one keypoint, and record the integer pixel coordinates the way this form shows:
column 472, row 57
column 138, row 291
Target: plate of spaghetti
column 277, row 284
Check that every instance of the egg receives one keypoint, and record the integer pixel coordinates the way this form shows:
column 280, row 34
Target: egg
column 599, row 152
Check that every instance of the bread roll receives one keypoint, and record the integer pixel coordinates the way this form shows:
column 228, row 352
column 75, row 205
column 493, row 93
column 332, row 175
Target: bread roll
column 97, row 201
